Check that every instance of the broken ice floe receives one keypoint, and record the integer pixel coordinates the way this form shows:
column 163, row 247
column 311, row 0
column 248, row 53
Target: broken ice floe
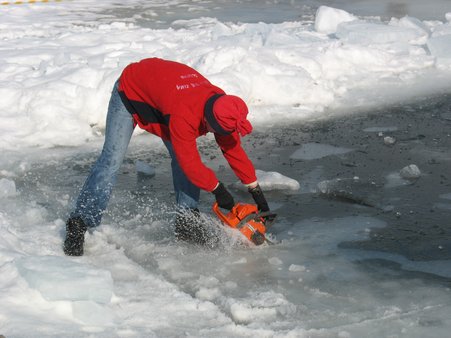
column 351, row 190
column 271, row 180
column 314, row 151
column 60, row 278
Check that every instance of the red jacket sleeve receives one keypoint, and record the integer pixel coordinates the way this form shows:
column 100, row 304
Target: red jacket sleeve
column 183, row 139
column 237, row 157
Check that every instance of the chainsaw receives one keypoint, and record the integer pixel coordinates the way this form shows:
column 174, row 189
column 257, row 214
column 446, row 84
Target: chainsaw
column 248, row 220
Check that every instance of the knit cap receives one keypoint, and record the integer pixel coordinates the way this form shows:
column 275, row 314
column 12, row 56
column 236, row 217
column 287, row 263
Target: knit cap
column 230, row 112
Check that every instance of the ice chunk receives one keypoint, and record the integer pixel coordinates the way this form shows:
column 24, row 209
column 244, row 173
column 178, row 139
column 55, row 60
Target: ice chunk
column 448, row 16
column 351, row 190
column 313, row 151
column 367, row 33
column 275, row 261
column 388, row 140
column 441, row 30
column 7, row 187
column 296, row 268
column 271, row 180
column 327, row 19
column 413, row 23
column 60, row 278
column 410, row 172
column 144, row 169
column 440, row 46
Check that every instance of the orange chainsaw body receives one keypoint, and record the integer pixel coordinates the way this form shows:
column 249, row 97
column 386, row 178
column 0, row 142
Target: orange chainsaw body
column 246, row 219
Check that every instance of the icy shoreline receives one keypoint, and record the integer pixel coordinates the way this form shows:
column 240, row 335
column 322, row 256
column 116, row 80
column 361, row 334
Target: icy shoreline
column 58, row 72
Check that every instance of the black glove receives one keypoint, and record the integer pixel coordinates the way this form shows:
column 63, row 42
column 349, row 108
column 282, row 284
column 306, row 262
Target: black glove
column 223, row 197
column 259, row 198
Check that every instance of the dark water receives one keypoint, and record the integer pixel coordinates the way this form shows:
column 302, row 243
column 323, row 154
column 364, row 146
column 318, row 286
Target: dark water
column 415, row 211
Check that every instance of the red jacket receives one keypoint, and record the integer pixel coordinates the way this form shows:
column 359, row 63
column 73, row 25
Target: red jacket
column 167, row 99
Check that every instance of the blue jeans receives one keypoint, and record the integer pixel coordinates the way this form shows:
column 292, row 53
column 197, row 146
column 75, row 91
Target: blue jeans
column 96, row 192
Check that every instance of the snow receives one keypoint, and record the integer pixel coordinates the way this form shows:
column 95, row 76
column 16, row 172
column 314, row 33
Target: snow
column 70, row 68
column 59, row 63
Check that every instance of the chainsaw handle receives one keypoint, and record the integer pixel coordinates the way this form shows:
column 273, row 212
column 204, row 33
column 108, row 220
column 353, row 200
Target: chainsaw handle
column 219, row 213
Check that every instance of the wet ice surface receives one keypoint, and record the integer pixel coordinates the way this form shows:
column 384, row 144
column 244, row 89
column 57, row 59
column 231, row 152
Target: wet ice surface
column 359, row 258
column 372, row 174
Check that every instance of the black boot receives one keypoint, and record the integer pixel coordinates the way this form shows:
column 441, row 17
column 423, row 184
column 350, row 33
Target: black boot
column 190, row 227
column 75, row 237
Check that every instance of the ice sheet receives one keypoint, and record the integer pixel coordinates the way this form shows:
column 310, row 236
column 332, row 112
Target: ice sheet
column 60, row 278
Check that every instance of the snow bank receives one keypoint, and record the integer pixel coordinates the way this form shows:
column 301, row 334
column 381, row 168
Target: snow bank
column 57, row 74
